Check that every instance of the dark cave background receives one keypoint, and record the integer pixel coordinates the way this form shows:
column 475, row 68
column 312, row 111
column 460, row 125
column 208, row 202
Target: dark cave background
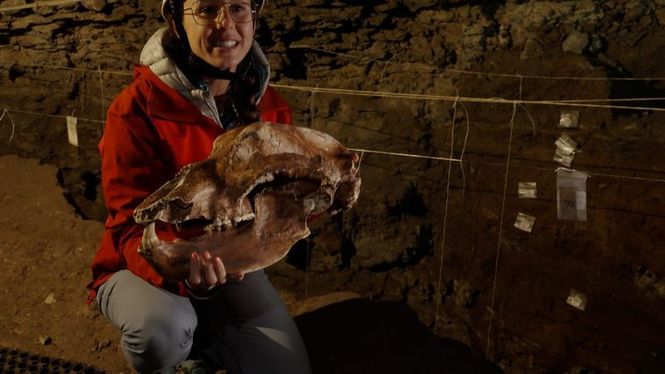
column 73, row 60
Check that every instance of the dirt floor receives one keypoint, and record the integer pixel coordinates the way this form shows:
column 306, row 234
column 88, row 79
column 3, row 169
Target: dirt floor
column 46, row 250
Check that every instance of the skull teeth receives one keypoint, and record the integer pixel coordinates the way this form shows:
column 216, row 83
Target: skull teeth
column 149, row 241
column 224, row 225
column 213, row 227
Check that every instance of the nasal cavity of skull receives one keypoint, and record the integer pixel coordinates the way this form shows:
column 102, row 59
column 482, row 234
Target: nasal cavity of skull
column 198, row 205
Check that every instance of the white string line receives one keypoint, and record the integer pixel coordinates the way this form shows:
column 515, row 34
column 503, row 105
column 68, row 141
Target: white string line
column 52, row 115
column 405, row 155
column 616, row 176
column 422, row 66
column 356, row 57
column 624, row 99
column 112, row 72
column 501, row 221
column 101, row 89
column 533, row 122
column 39, row 4
column 410, row 96
column 360, row 161
column 500, row 234
column 626, row 177
column 598, row 175
column 385, row 68
column 310, row 108
column 553, row 77
column 566, row 102
column 461, row 156
column 5, row 111
column 445, row 222
column 83, row 94
column 501, row 215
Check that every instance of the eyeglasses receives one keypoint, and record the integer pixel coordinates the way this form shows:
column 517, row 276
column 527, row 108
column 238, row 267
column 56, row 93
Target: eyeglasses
column 206, row 12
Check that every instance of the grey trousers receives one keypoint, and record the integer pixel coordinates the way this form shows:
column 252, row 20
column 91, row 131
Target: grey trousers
column 246, row 328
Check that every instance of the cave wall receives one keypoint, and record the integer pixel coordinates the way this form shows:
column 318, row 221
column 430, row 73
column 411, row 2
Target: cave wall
column 424, row 232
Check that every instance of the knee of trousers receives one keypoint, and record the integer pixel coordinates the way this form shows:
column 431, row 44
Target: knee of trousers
column 159, row 340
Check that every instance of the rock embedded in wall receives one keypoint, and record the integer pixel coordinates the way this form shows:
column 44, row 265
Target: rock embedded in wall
column 96, row 5
column 576, row 42
column 532, row 49
column 527, row 20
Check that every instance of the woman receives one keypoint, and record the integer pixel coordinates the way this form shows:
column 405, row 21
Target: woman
column 198, row 77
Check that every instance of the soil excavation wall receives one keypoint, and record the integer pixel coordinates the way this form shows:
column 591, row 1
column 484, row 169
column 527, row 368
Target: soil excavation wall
column 459, row 80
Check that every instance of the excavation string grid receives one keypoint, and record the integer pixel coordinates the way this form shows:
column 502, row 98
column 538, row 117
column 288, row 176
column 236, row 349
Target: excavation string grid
column 312, row 90
column 18, row 361
column 8, row 117
column 578, row 300
column 584, row 103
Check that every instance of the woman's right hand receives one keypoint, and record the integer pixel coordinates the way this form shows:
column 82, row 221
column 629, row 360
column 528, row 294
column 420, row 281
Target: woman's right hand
column 206, row 272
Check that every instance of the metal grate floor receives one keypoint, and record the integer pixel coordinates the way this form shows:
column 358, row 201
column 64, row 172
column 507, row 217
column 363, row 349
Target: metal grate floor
column 17, row 361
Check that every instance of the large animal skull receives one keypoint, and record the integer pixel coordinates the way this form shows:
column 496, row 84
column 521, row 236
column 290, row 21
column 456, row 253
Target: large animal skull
column 252, row 196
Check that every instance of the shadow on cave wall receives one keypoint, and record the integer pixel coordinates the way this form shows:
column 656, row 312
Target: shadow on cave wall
column 625, row 88
column 363, row 336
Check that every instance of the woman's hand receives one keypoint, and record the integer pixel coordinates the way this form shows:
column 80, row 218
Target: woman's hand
column 206, row 272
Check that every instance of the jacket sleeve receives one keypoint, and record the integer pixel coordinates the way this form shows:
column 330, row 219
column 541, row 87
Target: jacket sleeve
column 274, row 109
column 133, row 166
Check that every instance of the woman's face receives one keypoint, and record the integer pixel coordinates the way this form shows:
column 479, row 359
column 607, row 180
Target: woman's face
column 223, row 44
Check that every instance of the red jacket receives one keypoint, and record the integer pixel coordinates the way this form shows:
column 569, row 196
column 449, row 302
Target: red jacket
column 151, row 132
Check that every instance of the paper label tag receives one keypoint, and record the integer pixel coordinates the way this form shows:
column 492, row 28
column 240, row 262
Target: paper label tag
column 564, row 159
column 526, row 190
column 525, row 222
column 72, row 133
column 565, row 150
column 566, row 145
column 577, row 300
column 569, row 119
column 571, row 194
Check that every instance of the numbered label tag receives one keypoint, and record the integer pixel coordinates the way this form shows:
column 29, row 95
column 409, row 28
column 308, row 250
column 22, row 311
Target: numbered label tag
column 525, row 222
column 72, row 132
column 565, row 150
column 526, row 190
column 571, row 194
column 577, row 300
column 569, row 119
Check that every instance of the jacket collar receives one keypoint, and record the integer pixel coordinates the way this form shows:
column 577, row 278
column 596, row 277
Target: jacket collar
column 163, row 102
column 155, row 57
